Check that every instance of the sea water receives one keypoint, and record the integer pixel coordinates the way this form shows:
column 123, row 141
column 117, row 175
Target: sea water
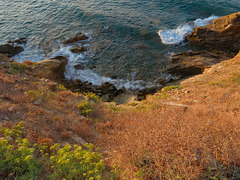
column 130, row 40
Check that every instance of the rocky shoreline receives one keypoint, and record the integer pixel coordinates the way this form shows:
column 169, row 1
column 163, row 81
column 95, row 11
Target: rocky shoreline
column 222, row 37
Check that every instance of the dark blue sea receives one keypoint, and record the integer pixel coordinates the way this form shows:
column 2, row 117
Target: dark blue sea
column 129, row 42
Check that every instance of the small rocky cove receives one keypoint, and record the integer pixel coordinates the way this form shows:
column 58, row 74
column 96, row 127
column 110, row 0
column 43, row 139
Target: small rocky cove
column 221, row 38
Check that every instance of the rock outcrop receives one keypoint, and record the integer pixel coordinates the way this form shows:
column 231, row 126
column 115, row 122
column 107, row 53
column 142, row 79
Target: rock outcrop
column 223, row 33
column 51, row 69
column 10, row 49
column 78, row 37
column 13, row 47
column 107, row 90
column 222, row 72
column 192, row 63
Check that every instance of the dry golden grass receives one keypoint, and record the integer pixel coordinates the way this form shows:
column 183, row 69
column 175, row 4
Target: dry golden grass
column 170, row 142
column 47, row 111
column 188, row 133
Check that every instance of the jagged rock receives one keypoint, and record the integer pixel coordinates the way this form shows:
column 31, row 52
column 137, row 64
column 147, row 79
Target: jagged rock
column 51, row 69
column 192, row 63
column 224, row 33
column 78, row 37
column 78, row 49
column 10, row 49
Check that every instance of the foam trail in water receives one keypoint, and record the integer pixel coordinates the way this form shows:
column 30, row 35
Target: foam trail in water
column 87, row 75
column 71, row 73
column 175, row 36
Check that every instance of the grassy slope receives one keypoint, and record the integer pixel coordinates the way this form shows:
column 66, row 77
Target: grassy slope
column 176, row 133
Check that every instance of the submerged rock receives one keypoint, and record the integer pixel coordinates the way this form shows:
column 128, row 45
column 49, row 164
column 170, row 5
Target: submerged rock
column 78, row 37
column 18, row 41
column 192, row 63
column 78, row 49
column 223, row 33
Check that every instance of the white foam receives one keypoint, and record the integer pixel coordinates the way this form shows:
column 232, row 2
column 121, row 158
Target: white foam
column 176, row 36
column 87, row 75
column 204, row 22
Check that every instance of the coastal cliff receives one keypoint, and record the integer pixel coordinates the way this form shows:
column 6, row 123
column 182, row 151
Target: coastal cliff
column 181, row 132
column 223, row 33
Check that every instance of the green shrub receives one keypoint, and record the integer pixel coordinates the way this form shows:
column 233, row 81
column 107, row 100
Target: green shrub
column 20, row 160
column 86, row 107
column 115, row 108
column 40, row 94
column 61, row 87
column 17, row 159
column 92, row 96
column 169, row 88
column 76, row 163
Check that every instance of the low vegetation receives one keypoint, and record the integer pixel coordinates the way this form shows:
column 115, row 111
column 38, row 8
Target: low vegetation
column 22, row 161
column 189, row 132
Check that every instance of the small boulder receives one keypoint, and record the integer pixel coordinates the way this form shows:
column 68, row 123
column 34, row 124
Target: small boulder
column 79, row 66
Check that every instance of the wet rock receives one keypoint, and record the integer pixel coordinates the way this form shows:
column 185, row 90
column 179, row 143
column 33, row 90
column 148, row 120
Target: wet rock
column 91, row 67
column 192, row 63
column 161, row 81
column 10, row 49
column 78, row 37
column 78, row 49
column 18, row 41
column 223, row 33
column 79, row 66
column 51, row 69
